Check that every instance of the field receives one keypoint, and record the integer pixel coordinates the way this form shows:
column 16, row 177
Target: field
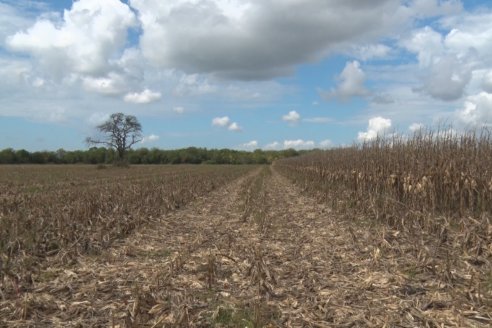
column 389, row 234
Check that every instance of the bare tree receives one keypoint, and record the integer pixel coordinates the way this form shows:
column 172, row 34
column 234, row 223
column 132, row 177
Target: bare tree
column 119, row 132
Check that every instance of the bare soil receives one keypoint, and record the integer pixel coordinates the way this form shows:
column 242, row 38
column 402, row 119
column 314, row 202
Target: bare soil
column 256, row 253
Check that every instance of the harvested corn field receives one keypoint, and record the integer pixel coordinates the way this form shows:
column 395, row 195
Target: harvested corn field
column 248, row 248
column 55, row 214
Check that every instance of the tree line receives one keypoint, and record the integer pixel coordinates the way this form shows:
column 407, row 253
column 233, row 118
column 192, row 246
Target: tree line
column 103, row 155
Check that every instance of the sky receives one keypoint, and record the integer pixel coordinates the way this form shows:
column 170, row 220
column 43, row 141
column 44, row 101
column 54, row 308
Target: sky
column 242, row 74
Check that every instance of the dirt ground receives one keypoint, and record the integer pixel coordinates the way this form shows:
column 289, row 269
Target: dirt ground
column 257, row 253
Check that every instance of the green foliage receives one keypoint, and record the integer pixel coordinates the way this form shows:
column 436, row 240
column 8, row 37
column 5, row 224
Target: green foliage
column 102, row 155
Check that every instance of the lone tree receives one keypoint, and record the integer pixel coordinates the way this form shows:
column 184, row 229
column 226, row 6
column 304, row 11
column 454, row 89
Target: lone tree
column 119, row 132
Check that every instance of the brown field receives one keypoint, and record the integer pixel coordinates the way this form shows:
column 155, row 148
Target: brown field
column 385, row 235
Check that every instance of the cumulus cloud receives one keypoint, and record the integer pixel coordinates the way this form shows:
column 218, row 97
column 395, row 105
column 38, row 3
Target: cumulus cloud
column 87, row 48
column 145, row 97
column 260, row 39
column 351, row 83
column 477, row 110
column 376, row 127
column 382, row 99
column 273, row 146
column 38, row 82
column 12, row 21
column 194, row 84
column 14, row 72
column 447, row 79
column 88, row 35
column 445, row 71
column 221, row 121
column 414, row 127
column 250, row 145
column 436, row 7
column 426, row 43
column 469, row 31
column 487, row 82
column 371, row 51
column 179, row 110
column 326, row 144
column 251, row 39
column 112, row 84
column 292, row 117
column 97, row 118
column 234, row 127
column 299, row 144
column 56, row 115
column 149, row 139
column 225, row 121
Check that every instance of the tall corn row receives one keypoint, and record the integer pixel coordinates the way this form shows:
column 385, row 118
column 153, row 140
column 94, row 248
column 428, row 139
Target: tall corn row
column 396, row 178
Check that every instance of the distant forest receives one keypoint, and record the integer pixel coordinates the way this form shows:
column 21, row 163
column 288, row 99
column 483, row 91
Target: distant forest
column 101, row 155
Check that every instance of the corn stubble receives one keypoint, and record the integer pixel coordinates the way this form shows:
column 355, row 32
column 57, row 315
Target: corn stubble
column 50, row 215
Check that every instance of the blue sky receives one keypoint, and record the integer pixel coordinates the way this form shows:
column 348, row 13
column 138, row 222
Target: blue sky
column 242, row 74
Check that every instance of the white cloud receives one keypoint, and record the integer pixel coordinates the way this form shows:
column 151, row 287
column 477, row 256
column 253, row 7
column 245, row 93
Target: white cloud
column 396, row 95
column 38, row 82
column 447, row 79
column 470, row 30
column 250, row 145
column 292, row 117
column 225, row 121
column 90, row 33
column 221, row 121
column 487, row 82
column 254, row 40
column 179, row 110
column 371, row 51
column 426, row 43
column 326, row 143
column 382, row 99
column 145, row 97
column 477, row 110
column 424, row 8
column 377, row 126
column 194, row 84
column 97, row 118
column 12, row 21
column 273, row 146
column 149, row 139
column 414, row 127
column 299, row 144
column 14, row 72
column 234, row 127
column 56, row 115
column 112, row 84
column 86, row 48
column 351, row 83
column 445, row 68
